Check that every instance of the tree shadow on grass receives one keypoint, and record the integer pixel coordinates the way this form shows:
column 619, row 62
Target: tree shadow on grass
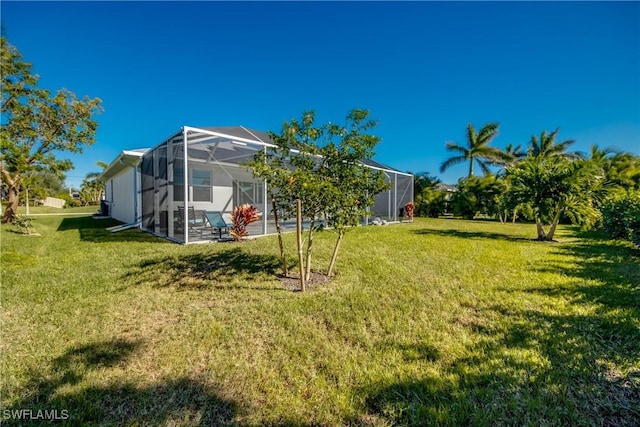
column 95, row 230
column 229, row 269
column 606, row 273
column 538, row 369
column 59, row 392
column 578, row 366
column 472, row 235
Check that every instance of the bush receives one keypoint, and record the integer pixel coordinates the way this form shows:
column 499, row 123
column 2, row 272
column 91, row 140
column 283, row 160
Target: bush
column 621, row 217
column 23, row 224
column 243, row 215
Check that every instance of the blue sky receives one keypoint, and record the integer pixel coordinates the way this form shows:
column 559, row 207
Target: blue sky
column 423, row 69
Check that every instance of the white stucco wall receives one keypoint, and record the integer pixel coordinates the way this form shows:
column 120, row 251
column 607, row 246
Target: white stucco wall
column 120, row 193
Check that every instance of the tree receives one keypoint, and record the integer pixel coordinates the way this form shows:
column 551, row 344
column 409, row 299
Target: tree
column 92, row 188
column 624, row 171
column 478, row 195
column 355, row 184
column 477, row 149
column 37, row 125
column 322, row 167
column 39, row 184
column 547, row 148
column 552, row 187
column 429, row 201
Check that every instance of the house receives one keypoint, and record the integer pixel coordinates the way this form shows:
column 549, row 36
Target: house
column 146, row 188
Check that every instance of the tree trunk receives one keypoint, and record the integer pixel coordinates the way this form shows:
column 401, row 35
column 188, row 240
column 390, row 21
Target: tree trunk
column 541, row 232
column 554, row 224
column 283, row 256
column 515, row 215
column 14, row 200
column 335, row 254
column 299, row 240
column 309, row 247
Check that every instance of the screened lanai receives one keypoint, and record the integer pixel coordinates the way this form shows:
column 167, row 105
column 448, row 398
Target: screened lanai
column 214, row 169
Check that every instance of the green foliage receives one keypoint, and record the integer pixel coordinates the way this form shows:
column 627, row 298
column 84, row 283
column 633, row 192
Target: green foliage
column 552, row 187
column 23, row 224
column 478, row 195
column 38, row 125
column 429, row 201
column 551, row 183
column 547, row 148
column 477, row 150
column 321, row 165
column 621, row 217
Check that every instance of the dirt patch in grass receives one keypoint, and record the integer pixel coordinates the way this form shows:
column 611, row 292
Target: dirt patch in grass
column 292, row 281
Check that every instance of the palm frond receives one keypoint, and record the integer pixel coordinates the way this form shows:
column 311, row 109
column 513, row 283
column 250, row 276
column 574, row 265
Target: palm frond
column 451, row 162
column 452, row 146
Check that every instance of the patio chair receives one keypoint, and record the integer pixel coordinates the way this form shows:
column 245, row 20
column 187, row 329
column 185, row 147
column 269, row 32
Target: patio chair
column 217, row 223
column 195, row 226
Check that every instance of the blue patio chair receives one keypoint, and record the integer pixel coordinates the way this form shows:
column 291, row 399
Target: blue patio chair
column 217, row 223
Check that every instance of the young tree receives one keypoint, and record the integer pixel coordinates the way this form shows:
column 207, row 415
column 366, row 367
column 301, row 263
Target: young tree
column 37, row 125
column 477, row 149
column 355, row 185
column 321, row 166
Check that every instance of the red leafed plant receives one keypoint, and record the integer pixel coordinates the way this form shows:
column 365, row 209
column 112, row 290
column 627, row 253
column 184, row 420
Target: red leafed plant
column 408, row 208
column 243, row 215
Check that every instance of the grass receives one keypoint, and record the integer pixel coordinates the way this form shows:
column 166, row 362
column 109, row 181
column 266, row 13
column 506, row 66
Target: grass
column 437, row 322
column 42, row 210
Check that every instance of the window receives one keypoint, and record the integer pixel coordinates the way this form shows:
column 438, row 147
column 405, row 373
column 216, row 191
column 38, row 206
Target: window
column 249, row 192
column 201, row 185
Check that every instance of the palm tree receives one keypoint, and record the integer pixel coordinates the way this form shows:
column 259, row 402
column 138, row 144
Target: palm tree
column 547, row 147
column 477, row 149
column 550, row 188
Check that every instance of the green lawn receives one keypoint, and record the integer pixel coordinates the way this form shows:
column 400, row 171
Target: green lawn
column 438, row 322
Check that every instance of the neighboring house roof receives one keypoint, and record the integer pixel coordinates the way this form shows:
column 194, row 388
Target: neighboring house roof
column 127, row 158
column 446, row 187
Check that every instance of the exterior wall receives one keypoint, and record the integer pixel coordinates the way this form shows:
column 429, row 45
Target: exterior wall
column 120, row 193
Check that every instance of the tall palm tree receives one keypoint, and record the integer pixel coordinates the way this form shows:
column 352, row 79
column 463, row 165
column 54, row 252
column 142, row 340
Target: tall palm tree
column 546, row 147
column 477, row 149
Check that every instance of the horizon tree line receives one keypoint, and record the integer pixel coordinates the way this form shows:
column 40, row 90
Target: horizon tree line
column 547, row 183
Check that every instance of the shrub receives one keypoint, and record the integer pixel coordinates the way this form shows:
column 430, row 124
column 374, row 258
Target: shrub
column 243, row 215
column 621, row 217
column 23, row 224
column 408, row 208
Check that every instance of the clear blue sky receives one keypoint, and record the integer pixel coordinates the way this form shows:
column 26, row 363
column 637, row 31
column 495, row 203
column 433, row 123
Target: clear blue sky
column 423, row 69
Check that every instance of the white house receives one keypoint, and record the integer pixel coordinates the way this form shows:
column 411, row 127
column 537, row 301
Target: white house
column 122, row 186
column 145, row 187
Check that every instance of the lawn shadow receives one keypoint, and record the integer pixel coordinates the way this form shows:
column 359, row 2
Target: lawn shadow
column 574, row 367
column 229, row 269
column 95, row 230
column 59, row 392
column 472, row 235
column 605, row 272
column 576, row 376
